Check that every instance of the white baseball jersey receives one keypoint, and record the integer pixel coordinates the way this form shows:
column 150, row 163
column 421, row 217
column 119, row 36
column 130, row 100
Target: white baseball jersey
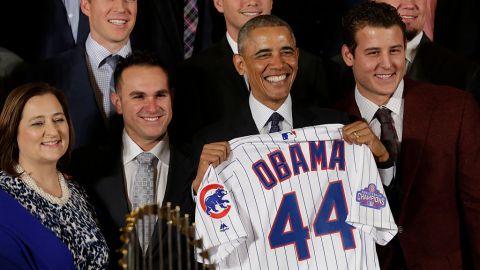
column 303, row 199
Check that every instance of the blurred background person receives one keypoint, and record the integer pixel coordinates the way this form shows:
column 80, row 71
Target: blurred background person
column 37, row 30
column 84, row 73
column 428, row 61
column 46, row 222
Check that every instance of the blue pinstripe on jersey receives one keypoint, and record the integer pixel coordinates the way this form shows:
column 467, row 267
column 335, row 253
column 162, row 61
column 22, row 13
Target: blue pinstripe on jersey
column 255, row 208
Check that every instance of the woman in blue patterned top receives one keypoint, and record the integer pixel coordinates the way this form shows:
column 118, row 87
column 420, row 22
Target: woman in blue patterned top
column 45, row 221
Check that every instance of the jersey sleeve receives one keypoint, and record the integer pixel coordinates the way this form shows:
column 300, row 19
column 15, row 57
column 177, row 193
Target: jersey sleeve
column 217, row 220
column 369, row 208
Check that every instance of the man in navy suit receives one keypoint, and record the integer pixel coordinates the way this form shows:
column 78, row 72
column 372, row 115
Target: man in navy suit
column 84, row 73
column 109, row 171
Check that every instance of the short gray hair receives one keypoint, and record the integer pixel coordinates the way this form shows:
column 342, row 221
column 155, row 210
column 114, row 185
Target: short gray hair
column 258, row 22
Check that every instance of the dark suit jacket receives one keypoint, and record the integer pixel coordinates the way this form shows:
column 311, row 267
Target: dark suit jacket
column 457, row 27
column 207, row 87
column 437, row 65
column 69, row 73
column 159, row 28
column 100, row 170
column 439, row 178
column 241, row 123
column 37, row 30
column 317, row 24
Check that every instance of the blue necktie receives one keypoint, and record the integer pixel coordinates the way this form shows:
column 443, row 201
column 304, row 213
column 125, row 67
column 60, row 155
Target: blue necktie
column 275, row 118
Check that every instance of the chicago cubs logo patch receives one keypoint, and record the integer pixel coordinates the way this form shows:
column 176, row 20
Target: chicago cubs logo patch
column 371, row 197
column 212, row 201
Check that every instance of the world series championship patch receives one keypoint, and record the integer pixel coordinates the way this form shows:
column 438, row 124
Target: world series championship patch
column 371, row 197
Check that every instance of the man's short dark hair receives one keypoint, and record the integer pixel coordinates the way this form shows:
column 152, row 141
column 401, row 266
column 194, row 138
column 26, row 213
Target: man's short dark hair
column 258, row 22
column 369, row 13
column 138, row 58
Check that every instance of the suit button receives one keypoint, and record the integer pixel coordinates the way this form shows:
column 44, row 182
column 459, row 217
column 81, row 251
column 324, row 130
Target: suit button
column 400, row 229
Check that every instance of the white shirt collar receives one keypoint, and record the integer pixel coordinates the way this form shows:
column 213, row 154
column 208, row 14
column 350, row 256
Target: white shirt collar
column 262, row 113
column 131, row 150
column 368, row 108
column 96, row 52
column 412, row 47
column 233, row 43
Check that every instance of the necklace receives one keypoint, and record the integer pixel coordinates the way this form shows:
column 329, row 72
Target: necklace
column 32, row 184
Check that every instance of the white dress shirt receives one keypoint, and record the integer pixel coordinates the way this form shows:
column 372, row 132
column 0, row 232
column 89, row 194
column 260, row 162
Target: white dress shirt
column 368, row 109
column 262, row 113
column 72, row 7
column 162, row 151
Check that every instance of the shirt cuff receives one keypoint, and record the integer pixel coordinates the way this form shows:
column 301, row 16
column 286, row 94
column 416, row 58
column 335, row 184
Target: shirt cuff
column 194, row 196
column 386, row 175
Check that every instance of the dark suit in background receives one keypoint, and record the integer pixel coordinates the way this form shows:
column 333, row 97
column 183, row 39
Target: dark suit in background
column 37, row 30
column 100, row 170
column 457, row 27
column 439, row 178
column 437, row 65
column 317, row 24
column 208, row 87
column 159, row 28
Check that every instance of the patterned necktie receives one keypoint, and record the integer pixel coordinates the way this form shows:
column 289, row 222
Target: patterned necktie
column 112, row 61
column 389, row 138
column 388, row 134
column 275, row 118
column 143, row 193
column 190, row 23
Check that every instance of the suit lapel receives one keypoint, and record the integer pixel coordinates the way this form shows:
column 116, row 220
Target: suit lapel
column 175, row 162
column 83, row 28
column 349, row 105
column 299, row 119
column 418, row 111
column 419, row 66
column 81, row 98
column 114, row 196
column 243, row 124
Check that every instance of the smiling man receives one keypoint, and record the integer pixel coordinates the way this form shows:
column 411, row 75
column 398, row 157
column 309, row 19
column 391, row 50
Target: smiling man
column 268, row 57
column 432, row 133
column 214, row 88
column 114, row 173
column 84, row 73
column 429, row 62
